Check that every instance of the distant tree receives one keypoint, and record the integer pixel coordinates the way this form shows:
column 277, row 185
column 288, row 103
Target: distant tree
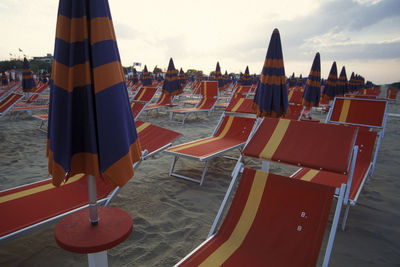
column 195, row 73
column 8, row 65
column 39, row 65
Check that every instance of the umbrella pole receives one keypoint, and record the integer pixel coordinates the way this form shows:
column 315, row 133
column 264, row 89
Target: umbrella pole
column 93, row 217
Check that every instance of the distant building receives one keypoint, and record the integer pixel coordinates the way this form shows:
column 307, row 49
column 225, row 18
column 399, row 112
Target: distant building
column 48, row 58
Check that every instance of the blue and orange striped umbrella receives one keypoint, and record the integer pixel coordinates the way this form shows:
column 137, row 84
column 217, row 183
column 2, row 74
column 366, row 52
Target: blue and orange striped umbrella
column 44, row 77
column 172, row 85
column 292, row 81
column 182, row 77
column 4, row 80
column 330, row 86
column 146, row 78
column 218, row 75
column 91, row 128
column 246, row 79
column 312, row 90
column 28, row 83
column 135, row 78
column 271, row 98
column 300, row 81
column 341, row 87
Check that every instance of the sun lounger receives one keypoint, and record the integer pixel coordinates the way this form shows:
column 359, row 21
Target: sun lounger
column 274, row 220
column 231, row 132
column 163, row 101
column 369, row 116
column 205, row 105
column 8, row 103
column 391, row 94
column 29, row 207
column 145, row 94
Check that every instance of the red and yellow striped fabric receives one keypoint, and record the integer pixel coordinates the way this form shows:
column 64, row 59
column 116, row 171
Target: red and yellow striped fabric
column 145, row 94
column 153, row 137
column 232, row 132
column 365, row 141
column 263, row 225
column 26, row 205
column 330, row 146
column 241, row 105
column 359, row 111
column 9, row 101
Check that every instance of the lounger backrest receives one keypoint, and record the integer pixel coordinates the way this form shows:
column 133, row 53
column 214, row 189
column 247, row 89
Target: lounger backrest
column 9, row 101
column 145, row 94
column 206, row 103
column 295, row 96
column 312, row 145
column 358, row 111
column 242, row 91
column 164, row 99
column 272, row 221
column 294, row 111
column 235, row 127
column 137, row 108
column 153, row 137
column 209, row 89
column 241, row 105
column 391, row 93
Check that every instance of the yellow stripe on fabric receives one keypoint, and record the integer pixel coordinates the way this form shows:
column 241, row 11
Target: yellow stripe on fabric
column 274, row 63
column 345, row 110
column 9, row 100
column 207, row 140
column 238, row 104
column 235, row 240
column 275, row 139
column 36, row 190
column 142, row 127
column 308, row 176
column 205, row 89
column 290, row 94
column 141, row 93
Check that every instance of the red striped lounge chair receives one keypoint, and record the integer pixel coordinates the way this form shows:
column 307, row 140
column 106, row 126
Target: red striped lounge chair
column 274, row 220
column 205, row 105
column 231, row 132
column 40, row 203
column 8, row 103
column 391, row 94
column 145, row 94
column 369, row 117
column 29, row 207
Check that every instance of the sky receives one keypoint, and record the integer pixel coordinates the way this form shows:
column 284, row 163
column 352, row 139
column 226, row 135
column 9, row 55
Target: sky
column 362, row 35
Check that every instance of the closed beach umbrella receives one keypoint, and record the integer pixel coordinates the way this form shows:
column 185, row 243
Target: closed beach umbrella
column 271, row 98
column 330, row 86
column 172, row 85
column 44, row 77
column 4, row 80
column 146, row 77
column 182, row 77
column 312, row 90
column 292, row 81
column 342, row 83
column 300, row 81
column 135, row 78
column 91, row 128
column 246, row 79
column 28, row 83
column 218, row 75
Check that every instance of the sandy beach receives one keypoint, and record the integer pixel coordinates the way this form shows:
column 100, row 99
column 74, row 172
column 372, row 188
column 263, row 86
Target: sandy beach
column 172, row 216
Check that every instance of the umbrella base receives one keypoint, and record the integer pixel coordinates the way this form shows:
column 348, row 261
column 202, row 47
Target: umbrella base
column 75, row 233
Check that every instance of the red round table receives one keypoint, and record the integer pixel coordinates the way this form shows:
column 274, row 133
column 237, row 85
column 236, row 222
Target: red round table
column 76, row 234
